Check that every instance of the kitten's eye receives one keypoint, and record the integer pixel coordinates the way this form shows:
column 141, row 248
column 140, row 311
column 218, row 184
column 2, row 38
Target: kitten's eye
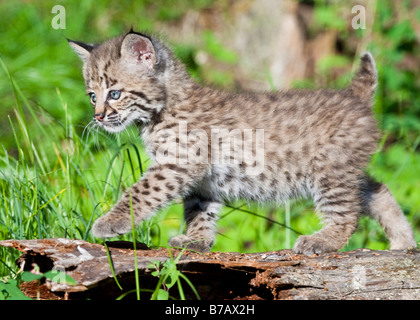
column 93, row 97
column 115, row 94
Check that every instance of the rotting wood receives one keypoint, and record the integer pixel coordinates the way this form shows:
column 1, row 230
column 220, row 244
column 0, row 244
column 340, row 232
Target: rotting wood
column 359, row 274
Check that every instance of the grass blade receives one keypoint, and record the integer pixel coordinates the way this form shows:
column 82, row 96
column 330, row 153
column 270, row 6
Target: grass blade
column 111, row 265
column 133, row 230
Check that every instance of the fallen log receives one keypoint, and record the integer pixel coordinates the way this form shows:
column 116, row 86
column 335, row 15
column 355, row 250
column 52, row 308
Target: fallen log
column 358, row 274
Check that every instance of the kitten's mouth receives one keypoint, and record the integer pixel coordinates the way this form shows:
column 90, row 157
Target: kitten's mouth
column 113, row 126
column 119, row 123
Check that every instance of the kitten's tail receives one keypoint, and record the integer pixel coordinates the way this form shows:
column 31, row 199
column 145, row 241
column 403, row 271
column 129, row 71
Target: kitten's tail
column 365, row 81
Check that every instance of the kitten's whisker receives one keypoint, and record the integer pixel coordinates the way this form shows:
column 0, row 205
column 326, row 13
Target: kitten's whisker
column 131, row 135
column 87, row 129
column 92, row 127
column 97, row 137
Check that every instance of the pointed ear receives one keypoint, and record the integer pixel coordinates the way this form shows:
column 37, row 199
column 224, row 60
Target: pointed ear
column 139, row 49
column 82, row 49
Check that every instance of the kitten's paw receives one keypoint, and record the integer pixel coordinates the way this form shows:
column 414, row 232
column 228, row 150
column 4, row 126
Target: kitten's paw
column 183, row 241
column 403, row 243
column 111, row 225
column 310, row 245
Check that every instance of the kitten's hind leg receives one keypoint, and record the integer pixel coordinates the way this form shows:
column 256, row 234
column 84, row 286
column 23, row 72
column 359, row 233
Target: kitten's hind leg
column 201, row 216
column 339, row 202
column 381, row 205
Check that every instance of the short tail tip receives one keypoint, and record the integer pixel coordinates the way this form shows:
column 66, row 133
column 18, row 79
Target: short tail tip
column 368, row 62
column 365, row 81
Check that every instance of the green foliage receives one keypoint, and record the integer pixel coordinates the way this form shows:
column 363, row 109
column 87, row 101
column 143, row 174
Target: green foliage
column 9, row 290
column 326, row 16
column 169, row 275
column 394, row 43
column 111, row 265
column 55, row 276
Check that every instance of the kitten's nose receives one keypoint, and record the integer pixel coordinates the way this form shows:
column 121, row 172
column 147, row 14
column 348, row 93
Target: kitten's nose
column 99, row 116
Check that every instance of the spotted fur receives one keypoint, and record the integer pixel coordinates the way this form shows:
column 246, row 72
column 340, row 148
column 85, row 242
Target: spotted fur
column 311, row 144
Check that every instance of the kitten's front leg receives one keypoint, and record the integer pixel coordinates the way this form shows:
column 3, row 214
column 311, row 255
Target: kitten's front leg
column 160, row 185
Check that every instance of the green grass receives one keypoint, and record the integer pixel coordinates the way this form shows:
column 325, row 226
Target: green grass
column 54, row 183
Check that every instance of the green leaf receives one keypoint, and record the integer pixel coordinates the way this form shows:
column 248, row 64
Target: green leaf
column 28, row 276
column 162, row 295
column 170, row 280
column 58, row 276
column 10, row 291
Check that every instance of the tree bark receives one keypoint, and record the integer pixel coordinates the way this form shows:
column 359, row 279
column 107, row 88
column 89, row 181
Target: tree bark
column 359, row 274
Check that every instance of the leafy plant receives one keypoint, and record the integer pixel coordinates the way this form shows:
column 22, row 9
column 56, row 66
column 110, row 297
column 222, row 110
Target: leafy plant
column 169, row 275
column 9, row 290
column 56, row 276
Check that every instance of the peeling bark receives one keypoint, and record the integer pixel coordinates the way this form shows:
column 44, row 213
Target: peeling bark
column 359, row 274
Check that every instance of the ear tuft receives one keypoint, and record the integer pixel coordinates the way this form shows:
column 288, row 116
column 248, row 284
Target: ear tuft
column 82, row 49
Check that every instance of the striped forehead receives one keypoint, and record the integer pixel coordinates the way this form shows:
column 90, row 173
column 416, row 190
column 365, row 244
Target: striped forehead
column 101, row 68
column 100, row 74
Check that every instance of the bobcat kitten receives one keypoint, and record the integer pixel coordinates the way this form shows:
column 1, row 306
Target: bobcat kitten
column 208, row 145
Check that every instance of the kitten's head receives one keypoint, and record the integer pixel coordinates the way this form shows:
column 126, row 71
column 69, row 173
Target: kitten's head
column 125, row 79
